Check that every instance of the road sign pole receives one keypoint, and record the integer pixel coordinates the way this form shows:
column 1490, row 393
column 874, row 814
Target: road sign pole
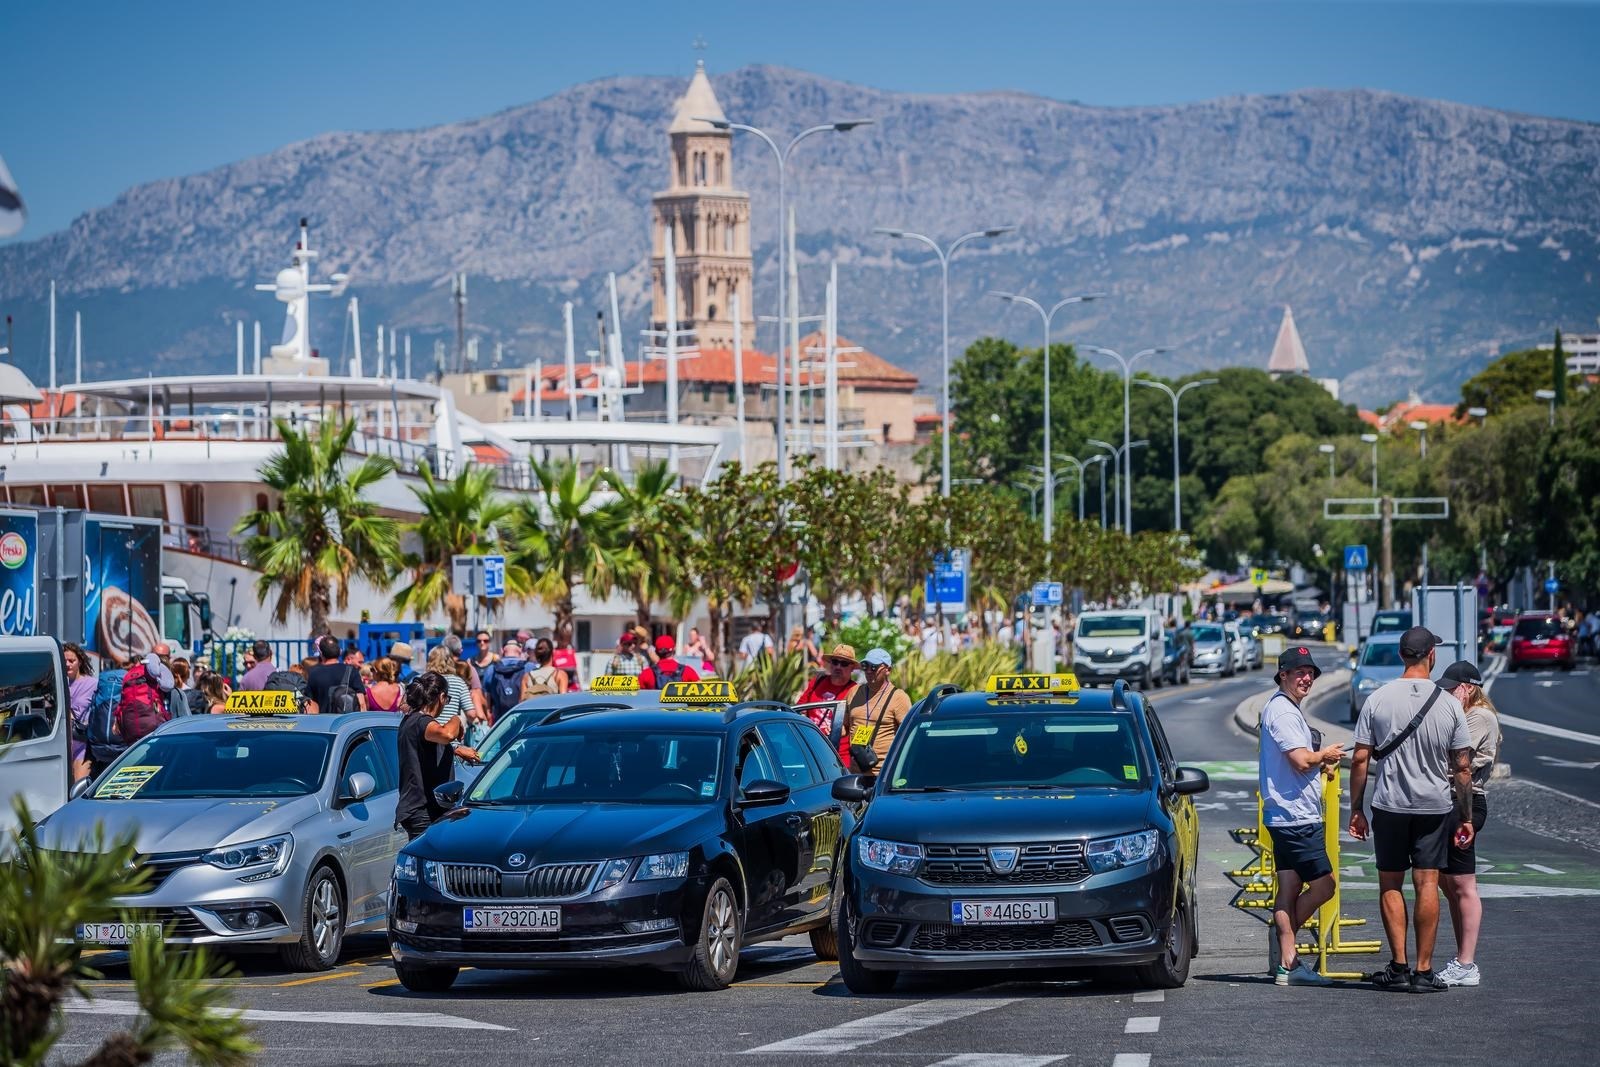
column 1386, row 506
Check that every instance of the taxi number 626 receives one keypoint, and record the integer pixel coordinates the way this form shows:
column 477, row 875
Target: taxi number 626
column 1001, row 912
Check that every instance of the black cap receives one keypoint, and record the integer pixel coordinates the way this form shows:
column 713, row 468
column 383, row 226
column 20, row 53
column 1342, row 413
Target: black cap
column 1418, row 641
column 1297, row 656
column 1460, row 671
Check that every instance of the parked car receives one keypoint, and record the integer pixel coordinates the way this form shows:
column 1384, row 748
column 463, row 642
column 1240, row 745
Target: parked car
column 1213, row 651
column 1378, row 662
column 1123, row 644
column 1539, row 639
column 1271, row 623
column 1390, row 622
column 1313, row 625
column 1178, row 659
column 1248, row 654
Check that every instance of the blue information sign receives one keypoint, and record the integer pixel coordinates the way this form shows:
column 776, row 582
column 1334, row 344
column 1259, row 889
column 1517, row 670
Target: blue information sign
column 494, row 576
column 946, row 587
column 1551, row 585
column 1047, row 594
column 1355, row 557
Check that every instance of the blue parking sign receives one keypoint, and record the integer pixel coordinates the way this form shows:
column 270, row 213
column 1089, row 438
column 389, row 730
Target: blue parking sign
column 946, row 587
column 494, row 576
column 1552, row 585
column 1355, row 557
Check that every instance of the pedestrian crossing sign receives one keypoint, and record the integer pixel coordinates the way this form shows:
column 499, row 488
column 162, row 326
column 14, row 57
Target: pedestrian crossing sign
column 1258, row 576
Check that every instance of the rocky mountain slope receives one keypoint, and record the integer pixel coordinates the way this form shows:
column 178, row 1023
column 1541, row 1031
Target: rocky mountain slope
column 1415, row 239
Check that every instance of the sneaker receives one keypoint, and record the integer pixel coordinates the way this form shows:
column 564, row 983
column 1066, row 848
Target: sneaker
column 1428, row 982
column 1458, row 973
column 1302, row 973
column 1395, row 978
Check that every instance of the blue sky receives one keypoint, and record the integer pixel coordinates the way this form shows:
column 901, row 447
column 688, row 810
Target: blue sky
column 102, row 95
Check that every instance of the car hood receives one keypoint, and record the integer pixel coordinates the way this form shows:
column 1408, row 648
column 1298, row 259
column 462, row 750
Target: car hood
column 984, row 818
column 553, row 833
column 167, row 825
column 1109, row 644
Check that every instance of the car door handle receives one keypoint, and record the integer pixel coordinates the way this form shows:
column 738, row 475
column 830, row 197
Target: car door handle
column 347, row 834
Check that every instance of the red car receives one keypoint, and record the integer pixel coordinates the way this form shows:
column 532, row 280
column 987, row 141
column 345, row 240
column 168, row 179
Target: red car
column 1538, row 640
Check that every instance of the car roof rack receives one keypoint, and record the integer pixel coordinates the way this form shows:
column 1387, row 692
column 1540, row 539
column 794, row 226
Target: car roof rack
column 936, row 696
column 745, row 707
column 1119, row 694
column 574, row 710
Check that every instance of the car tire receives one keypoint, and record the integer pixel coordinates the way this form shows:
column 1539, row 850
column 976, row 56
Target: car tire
column 1145, row 680
column 716, row 950
column 322, row 915
column 419, row 978
column 825, row 940
column 857, row 978
column 1171, row 971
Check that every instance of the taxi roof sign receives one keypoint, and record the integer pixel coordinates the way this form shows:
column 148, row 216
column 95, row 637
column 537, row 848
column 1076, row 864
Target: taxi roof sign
column 615, row 683
column 1033, row 683
column 711, row 691
column 263, row 702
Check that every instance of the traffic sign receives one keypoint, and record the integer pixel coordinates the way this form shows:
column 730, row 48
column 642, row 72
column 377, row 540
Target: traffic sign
column 494, row 576
column 1552, row 585
column 1355, row 557
column 1047, row 594
column 1258, row 576
column 946, row 588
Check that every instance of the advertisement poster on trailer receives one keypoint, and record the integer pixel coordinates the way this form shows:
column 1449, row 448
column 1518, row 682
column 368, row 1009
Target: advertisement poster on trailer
column 122, row 587
column 19, row 550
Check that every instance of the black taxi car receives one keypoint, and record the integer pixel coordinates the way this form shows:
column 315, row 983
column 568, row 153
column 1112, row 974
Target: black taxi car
column 1034, row 825
column 667, row 836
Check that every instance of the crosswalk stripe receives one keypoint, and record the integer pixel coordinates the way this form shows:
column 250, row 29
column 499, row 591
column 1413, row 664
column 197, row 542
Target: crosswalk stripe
column 1131, row 1059
column 874, row 1028
column 996, row 1059
column 1143, row 1024
column 1153, row 996
column 431, row 1019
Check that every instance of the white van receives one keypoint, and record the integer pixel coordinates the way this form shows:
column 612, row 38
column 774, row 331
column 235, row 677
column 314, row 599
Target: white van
column 35, row 728
column 1113, row 644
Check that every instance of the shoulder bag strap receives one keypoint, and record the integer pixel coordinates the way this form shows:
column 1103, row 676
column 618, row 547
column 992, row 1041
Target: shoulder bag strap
column 1385, row 749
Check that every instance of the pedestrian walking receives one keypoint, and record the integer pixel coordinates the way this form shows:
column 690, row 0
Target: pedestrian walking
column 1291, row 765
column 484, row 655
column 800, row 643
column 504, row 679
column 667, row 667
column 1417, row 734
column 627, row 660
column 542, row 675
column 384, row 692
column 255, row 678
column 425, row 747
column 873, row 714
column 334, row 686
column 1460, row 877
column 756, row 643
column 81, row 684
column 214, row 693
column 696, row 648
column 401, row 653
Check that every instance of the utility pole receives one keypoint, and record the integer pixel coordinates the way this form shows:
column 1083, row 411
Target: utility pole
column 1387, row 505
column 1387, row 510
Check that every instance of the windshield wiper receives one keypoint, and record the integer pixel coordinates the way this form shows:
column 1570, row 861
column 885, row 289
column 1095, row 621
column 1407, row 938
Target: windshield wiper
column 929, row 789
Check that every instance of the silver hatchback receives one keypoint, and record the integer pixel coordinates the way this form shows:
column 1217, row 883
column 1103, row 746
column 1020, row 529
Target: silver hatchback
column 256, row 830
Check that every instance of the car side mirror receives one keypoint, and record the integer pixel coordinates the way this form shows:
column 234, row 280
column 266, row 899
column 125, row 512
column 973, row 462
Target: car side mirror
column 853, row 788
column 449, row 795
column 1190, row 780
column 79, row 788
column 761, row 792
column 358, row 787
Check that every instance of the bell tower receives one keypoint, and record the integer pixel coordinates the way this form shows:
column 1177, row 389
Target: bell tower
column 709, row 222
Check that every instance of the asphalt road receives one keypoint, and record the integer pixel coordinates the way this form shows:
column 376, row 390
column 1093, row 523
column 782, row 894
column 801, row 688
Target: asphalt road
column 1538, row 955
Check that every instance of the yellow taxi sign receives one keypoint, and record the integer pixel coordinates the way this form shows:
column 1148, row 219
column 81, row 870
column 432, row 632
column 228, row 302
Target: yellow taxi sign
column 262, row 702
column 615, row 683
column 1033, row 683
column 712, row 691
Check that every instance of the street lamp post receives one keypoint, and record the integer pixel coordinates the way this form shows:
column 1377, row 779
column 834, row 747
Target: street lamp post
column 1077, row 465
column 1116, row 518
column 1177, row 493
column 1100, row 461
column 1550, row 395
column 944, row 255
column 1120, row 456
column 1481, row 414
column 1328, row 450
column 782, row 156
column 1127, row 431
column 1047, row 317
column 1372, row 439
column 1422, row 440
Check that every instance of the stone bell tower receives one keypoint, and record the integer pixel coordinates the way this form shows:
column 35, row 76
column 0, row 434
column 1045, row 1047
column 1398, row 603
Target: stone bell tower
column 709, row 222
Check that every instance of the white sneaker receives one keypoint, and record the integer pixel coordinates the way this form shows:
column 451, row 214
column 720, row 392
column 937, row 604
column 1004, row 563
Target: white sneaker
column 1458, row 973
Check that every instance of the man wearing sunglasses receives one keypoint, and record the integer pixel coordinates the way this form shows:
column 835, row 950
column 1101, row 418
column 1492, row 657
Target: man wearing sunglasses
column 837, row 680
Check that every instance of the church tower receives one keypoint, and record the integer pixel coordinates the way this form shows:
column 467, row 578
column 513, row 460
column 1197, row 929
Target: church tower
column 709, row 222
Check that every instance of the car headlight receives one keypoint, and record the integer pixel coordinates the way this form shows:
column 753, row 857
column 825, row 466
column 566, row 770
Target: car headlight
column 1367, row 685
column 1139, row 648
column 266, row 858
column 433, row 875
column 405, row 868
column 662, row 865
column 1109, row 853
column 893, row 857
column 612, row 874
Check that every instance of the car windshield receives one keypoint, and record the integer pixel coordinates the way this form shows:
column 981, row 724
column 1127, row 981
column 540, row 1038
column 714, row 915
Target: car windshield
column 242, row 761
column 1381, row 654
column 506, row 730
column 1111, row 626
column 1208, row 633
column 1391, row 622
column 623, row 767
column 1022, row 746
column 1536, row 628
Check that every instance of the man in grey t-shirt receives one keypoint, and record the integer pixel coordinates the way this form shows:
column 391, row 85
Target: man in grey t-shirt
column 1422, row 798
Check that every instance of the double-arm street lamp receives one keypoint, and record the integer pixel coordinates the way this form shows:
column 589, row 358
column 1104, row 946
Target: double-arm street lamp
column 1127, row 432
column 782, row 155
column 1177, row 493
column 944, row 255
column 1048, row 316
column 1077, row 465
column 1120, row 459
column 1100, row 461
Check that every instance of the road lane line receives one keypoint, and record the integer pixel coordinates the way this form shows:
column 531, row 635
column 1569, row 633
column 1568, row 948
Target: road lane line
column 1542, row 869
column 1557, row 792
column 385, row 984
column 1154, row 996
column 881, row 1027
column 1551, row 731
column 431, row 1019
column 1131, row 1059
column 317, row 978
column 996, row 1059
column 1143, row 1024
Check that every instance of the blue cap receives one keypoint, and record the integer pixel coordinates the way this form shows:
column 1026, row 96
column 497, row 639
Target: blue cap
column 877, row 657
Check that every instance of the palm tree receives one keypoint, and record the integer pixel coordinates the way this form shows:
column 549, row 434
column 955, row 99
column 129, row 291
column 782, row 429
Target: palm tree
column 460, row 517
column 324, row 531
column 565, row 538
column 654, row 526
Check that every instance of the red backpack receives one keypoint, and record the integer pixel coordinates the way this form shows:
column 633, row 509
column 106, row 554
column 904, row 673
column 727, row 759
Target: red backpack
column 139, row 710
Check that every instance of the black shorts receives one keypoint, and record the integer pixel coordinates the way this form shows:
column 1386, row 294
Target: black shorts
column 1401, row 840
column 1465, row 860
column 1302, row 849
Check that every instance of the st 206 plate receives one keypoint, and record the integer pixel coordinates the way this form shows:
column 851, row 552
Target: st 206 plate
column 116, row 933
column 1002, row 912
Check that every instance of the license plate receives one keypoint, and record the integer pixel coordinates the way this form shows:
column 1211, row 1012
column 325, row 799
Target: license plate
column 494, row 920
column 117, row 933
column 1001, row 912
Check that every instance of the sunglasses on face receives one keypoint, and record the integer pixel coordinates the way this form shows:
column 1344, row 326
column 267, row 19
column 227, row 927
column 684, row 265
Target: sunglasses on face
column 839, row 663
column 483, row 640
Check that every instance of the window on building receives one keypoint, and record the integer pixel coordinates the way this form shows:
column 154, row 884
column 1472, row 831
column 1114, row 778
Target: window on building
column 28, row 495
column 66, row 496
column 107, row 499
column 886, row 431
column 719, row 169
column 731, row 397
column 699, row 168
column 147, row 501
column 683, row 170
column 727, row 237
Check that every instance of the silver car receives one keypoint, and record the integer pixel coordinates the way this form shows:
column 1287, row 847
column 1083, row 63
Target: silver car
column 1215, row 650
column 1378, row 662
column 270, row 829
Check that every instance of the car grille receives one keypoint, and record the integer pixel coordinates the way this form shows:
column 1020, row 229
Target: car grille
column 944, row 937
column 163, row 865
column 1048, row 863
column 552, row 881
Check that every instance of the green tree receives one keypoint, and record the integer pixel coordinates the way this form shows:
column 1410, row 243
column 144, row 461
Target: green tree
column 566, row 537
column 460, row 517
column 1558, row 371
column 1568, row 496
column 736, row 540
column 1509, row 382
column 651, row 513
column 325, row 530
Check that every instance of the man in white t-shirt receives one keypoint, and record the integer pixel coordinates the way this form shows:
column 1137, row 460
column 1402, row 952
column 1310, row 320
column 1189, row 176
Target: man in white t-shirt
column 1291, row 769
column 932, row 638
column 756, row 643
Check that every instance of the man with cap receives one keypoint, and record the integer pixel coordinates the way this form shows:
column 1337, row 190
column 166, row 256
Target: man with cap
column 836, row 682
column 400, row 652
column 627, row 660
column 1422, row 799
column 1291, row 766
column 874, row 711
column 666, row 667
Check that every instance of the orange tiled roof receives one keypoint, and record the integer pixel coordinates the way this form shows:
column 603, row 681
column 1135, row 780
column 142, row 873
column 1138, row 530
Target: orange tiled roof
column 1407, row 411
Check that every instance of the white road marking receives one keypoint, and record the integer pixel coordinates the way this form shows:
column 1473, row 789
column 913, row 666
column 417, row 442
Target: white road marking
column 996, row 1059
column 1493, row 891
column 430, row 1019
column 1351, row 872
column 1551, row 731
column 1131, row 1059
column 1154, row 996
column 1200, row 700
column 1143, row 1024
column 1557, row 792
column 874, row 1028
column 1542, row 869
column 1579, row 764
column 1547, row 685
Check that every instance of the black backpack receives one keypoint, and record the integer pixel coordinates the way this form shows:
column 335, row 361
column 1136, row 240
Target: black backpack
column 505, row 688
column 342, row 698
